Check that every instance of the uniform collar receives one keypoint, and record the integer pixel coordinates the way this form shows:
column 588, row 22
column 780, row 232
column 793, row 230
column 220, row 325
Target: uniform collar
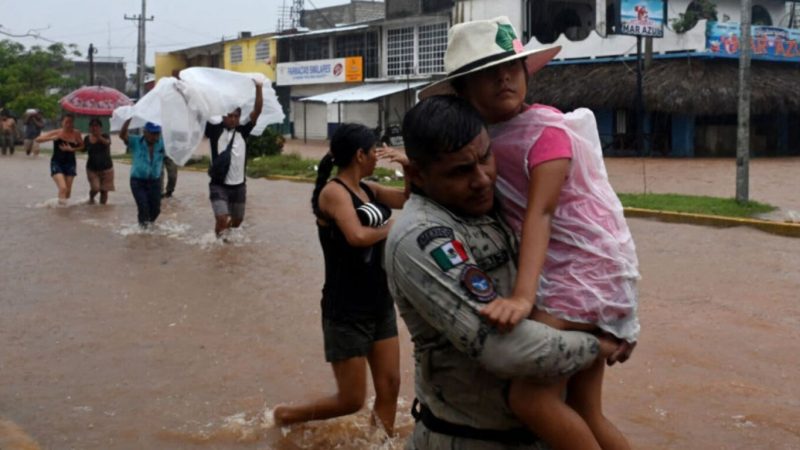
column 467, row 220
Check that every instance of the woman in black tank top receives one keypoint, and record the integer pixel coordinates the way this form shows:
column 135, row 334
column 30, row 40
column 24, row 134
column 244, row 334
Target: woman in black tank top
column 358, row 318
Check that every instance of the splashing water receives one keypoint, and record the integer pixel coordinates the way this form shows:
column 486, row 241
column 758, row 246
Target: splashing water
column 353, row 432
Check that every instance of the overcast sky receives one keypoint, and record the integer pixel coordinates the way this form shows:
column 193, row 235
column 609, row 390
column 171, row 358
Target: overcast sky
column 178, row 23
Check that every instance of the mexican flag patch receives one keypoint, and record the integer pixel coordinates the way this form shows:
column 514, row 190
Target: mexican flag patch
column 449, row 255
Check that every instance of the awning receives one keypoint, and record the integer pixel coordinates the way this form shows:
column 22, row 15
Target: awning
column 363, row 93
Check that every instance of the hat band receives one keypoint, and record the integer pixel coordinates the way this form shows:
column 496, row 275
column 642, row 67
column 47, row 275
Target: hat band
column 482, row 61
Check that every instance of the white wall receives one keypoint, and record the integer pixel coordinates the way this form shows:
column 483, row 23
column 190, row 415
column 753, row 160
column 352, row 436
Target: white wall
column 316, row 124
column 465, row 11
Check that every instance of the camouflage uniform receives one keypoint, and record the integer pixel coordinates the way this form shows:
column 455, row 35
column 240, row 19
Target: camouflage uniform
column 463, row 365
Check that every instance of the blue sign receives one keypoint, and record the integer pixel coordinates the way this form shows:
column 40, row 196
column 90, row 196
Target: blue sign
column 768, row 43
column 642, row 17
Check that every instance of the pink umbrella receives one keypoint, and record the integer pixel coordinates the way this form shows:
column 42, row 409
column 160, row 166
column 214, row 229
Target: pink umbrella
column 94, row 100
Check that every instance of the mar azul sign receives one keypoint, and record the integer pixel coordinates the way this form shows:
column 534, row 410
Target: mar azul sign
column 642, row 17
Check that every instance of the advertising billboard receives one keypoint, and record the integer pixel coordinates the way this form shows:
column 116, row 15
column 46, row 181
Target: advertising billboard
column 321, row 71
column 770, row 43
column 642, row 17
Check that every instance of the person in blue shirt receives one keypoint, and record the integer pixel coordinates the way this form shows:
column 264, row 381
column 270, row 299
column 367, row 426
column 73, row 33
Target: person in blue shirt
column 148, row 158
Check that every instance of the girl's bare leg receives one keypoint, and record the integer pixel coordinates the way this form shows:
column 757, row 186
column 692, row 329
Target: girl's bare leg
column 541, row 408
column 585, row 397
column 63, row 191
column 68, row 182
column 384, row 362
column 351, row 384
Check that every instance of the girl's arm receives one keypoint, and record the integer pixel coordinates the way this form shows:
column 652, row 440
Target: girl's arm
column 543, row 191
column 49, row 136
column 335, row 202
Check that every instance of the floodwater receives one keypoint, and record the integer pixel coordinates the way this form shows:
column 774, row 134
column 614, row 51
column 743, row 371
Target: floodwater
column 115, row 338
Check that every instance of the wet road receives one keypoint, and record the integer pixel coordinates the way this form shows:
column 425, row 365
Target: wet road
column 117, row 339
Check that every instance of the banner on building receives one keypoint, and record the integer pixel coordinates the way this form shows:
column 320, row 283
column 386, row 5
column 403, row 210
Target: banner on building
column 321, row 71
column 642, row 17
column 769, row 43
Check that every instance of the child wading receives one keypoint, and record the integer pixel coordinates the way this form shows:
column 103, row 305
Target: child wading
column 577, row 265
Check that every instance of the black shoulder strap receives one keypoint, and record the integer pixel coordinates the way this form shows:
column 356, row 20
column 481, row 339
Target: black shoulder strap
column 356, row 199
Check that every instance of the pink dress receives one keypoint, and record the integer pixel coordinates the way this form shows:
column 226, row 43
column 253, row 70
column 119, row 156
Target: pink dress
column 591, row 269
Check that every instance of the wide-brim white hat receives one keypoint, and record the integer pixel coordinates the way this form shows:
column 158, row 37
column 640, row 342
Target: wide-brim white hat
column 477, row 45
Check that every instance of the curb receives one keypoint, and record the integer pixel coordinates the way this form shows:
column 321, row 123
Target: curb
column 778, row 228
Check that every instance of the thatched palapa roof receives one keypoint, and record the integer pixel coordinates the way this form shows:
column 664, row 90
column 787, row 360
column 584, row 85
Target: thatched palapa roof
column 699, row 86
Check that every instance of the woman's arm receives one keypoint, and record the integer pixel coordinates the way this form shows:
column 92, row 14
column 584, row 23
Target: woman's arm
column 335, row 202
column 49, row 136
column 544, row 189
column 392, row 197
column 79, row 147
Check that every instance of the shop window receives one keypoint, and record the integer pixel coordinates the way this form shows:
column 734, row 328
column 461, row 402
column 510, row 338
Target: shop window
column 361, row 44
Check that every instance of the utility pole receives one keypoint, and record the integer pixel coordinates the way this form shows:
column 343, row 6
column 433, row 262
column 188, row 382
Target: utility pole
column 743, row 129
column 92, row 51
column 140, row 51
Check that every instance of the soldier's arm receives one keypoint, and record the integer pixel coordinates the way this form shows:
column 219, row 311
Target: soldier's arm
column 440, row 296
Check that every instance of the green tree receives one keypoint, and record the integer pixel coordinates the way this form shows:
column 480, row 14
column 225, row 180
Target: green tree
column 35, row 77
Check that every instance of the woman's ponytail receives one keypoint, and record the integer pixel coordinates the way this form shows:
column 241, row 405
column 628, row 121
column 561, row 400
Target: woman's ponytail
column 323, row 173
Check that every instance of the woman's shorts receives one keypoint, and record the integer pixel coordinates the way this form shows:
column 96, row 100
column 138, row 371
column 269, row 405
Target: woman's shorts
column 101, row 180
column 65, row 168
column 345, row 339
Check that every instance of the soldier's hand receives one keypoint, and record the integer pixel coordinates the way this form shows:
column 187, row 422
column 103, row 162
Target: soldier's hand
column 505, row 313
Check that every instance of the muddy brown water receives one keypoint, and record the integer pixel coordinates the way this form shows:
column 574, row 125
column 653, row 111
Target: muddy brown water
column 117, row 339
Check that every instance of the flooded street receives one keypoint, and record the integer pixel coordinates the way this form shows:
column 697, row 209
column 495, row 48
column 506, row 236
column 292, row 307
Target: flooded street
column 115, row 338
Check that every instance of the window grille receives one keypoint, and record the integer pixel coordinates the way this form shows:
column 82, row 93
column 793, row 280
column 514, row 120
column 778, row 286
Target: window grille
column 400, row 50
column 432, row 45
column 262, row 51
column 236, row 54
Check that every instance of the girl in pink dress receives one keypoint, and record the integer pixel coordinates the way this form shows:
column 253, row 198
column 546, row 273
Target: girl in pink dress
column 577, row 266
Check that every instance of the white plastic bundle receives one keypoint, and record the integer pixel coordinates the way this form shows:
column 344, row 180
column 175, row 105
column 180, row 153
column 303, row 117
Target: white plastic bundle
column 591, row 269
column 182, row 107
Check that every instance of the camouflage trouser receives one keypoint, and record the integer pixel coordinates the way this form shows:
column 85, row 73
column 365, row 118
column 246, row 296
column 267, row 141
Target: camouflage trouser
column 424, row 439
column 7, row 141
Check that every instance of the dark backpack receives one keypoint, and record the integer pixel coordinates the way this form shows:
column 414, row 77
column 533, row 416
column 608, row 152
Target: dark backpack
column 220, row 164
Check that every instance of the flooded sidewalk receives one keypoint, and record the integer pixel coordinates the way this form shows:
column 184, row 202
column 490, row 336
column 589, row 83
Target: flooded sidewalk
column 114, row 338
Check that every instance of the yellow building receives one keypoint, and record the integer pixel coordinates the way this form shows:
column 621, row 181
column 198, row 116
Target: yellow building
column 244, row 54
column 252, row 54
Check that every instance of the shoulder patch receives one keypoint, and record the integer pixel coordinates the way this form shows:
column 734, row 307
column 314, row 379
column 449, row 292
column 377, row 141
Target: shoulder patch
column 427, row 236
column 449, row 255
column 478, row 283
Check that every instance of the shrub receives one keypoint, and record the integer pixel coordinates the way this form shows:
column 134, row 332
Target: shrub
column 269, row 143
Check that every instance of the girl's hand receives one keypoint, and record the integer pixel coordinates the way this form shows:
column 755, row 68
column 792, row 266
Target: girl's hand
column 622, row 353
column 505, row 313
column 393, row 155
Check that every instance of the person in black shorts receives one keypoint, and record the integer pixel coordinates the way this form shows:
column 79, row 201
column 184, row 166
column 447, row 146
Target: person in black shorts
column 66, row 141
column 358, row 316
column 228, row 194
